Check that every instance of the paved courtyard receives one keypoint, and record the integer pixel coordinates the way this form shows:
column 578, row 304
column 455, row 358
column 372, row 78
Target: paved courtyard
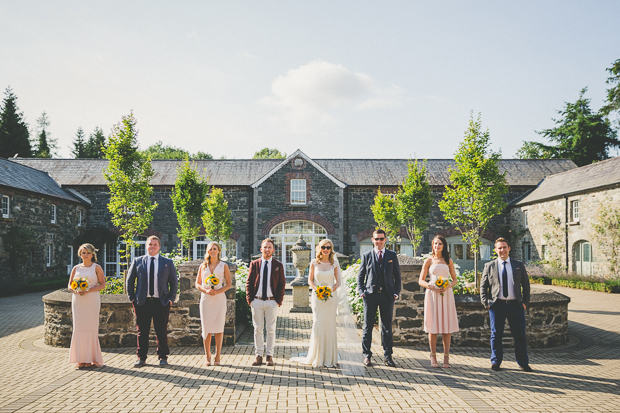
column 581, row 376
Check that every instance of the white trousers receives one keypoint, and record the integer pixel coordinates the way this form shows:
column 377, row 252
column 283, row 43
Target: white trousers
column 264, row 316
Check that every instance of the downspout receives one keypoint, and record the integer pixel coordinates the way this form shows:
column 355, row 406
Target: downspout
column 566, row 230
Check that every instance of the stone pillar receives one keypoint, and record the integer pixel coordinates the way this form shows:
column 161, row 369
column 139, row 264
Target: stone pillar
column 301, row 260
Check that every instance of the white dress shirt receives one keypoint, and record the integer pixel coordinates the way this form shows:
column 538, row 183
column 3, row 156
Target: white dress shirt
column 148, row 275
column 377, row 253
column 511, row 280
column 259, row 293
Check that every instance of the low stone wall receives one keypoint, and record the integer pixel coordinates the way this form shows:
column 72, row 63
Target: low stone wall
column 117, row 324
column 546, row 319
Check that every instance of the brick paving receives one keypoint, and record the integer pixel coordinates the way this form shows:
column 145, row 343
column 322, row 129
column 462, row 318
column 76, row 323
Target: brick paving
column 581, row 376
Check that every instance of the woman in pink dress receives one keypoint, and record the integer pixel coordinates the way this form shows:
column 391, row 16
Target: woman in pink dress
column 213, row 300
column 85, row 349
column 439, row 308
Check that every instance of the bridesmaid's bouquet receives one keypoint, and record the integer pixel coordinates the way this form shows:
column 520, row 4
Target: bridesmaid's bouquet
column 323, row 293
column 442, row 282
column 80, row 284
column 212, row 281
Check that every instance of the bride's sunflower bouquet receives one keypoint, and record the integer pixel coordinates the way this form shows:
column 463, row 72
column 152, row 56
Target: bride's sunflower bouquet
column 212, row 281
column 80, row 284
column 442, row 282
column 323, row 293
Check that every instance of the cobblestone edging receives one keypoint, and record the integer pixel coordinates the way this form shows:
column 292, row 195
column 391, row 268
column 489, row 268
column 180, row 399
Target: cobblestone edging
column 117, row 325
column 546, row 318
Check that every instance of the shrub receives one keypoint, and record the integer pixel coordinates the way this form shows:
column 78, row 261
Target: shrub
column 243, row 312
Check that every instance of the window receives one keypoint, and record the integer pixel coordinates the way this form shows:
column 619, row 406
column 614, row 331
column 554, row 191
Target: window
column 298, row 191
column 286, row 234
column 53, row 214
column 545, row 253
column 525, row 223
column 69, row 259
column 526, row 251
column 582, row 255
column 79, row 218
column 574, row 208
column 6, row 206
column 48, row 255
column 114, row 263
column 463, row 254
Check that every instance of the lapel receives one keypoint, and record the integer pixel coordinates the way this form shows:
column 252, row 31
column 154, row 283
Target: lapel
column 497, row 272
column 275, row 272
column 375, row 262
column 160, row 267
column 515, row 277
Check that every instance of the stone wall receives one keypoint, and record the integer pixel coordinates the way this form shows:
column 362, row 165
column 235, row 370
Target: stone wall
column 546, row 319
column 581, row 229
column 117, row 325
column 31, row 212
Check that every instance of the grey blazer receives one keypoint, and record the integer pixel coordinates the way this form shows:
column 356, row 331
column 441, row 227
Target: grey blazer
column 490, row 284
column 137, row 280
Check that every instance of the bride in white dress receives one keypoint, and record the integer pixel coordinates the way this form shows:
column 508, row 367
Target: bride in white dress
column 324, row 271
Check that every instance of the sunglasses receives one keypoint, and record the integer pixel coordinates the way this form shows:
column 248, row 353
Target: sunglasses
column 379, row 239
column 326, row 247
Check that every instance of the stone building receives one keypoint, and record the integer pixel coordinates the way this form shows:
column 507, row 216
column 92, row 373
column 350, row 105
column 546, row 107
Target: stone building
column 555, row 221
column 39, row 222
column 285, row 198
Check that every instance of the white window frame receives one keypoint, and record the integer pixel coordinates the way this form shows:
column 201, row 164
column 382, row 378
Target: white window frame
column 53, row 213
column 70, row 264
column 525, row 219
column 48, row 258
column 298, row 195
column 6, row 206
column 574, row 210
column 203, row 240
column 80, row 217
column 119, row 263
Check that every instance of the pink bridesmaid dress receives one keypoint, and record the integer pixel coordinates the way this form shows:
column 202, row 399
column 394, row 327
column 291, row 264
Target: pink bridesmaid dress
column 440, row 311
column 85, row 347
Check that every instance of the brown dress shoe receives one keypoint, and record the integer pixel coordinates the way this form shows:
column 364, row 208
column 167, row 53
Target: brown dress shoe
column 258, row 361
column 270, row 361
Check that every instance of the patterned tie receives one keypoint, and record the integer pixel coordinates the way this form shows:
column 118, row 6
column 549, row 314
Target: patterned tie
column 265, row 276
column 152, row 278
column 505, row 280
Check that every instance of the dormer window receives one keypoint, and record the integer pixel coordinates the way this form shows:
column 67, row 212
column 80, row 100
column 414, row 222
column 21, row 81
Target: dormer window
column 298, row 192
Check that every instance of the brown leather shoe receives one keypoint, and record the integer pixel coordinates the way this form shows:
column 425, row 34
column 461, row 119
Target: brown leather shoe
column 270, row 361
column 258, row 361
column 367, row 362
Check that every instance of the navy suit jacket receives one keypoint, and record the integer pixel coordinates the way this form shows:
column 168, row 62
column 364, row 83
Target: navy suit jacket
column 367, row 275
column 138, row 280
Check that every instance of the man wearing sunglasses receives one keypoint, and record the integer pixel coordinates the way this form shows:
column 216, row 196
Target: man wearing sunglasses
column 378, row 282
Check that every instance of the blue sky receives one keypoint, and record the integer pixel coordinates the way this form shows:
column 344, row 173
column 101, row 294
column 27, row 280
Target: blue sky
column 350, row 79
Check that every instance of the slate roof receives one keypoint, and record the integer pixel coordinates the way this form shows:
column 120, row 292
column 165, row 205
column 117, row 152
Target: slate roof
column 597, row 175
column 18, row 176
column 245, row 172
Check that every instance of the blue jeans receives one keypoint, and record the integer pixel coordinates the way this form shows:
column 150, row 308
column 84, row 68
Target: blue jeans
column 499, row 312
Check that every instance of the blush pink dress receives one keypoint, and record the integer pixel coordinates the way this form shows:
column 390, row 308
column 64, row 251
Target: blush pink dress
column 213, row 307
column 440, row 311
column 85, row 347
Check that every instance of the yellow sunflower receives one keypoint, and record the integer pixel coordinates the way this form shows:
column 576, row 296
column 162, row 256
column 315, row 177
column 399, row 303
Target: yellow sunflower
column 83, row 285
column 74, row 285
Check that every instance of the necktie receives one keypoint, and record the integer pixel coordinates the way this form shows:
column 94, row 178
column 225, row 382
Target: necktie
column 505, row 280
column 152, row 278
column 380, row 257
column 265, row 276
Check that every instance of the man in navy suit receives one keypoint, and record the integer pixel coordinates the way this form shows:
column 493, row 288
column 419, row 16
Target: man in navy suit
column 378, row 282
column 152, row 287
column 505, row 292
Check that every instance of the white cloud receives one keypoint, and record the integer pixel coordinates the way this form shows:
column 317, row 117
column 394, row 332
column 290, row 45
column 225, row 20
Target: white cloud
column 313, row 91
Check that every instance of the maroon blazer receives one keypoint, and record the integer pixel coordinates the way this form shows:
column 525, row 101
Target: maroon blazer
column 278, row 280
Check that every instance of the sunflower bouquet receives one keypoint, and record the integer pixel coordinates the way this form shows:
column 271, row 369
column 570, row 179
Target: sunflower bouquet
column 80, row 284
column 323, row 293
column 212, row 281
column 442, row 282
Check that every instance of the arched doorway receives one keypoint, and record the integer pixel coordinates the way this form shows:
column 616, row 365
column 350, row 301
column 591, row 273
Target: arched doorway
column 582, row 254
column 286, row 234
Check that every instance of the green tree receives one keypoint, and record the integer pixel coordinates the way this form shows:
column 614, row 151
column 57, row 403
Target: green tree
column 582, row 135
column 203, row 155
column 160, row 151
column 95, row 145
column 79, row 145
column 14, row 135
column 414, row 201
column 267, row 153
column 607, row 227
column 128, row 174
column 613, row 93
column 385, row 214
column 476, row 190
column 217, row 219
column 45, row 146
column 188, row 199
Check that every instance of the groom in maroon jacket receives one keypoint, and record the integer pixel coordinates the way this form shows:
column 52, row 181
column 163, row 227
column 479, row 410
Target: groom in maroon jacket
column 265, row 293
